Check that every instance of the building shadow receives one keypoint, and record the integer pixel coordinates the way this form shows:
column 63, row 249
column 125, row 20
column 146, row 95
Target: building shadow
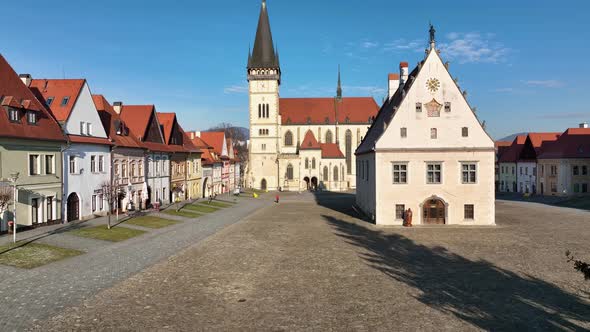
column 342, row 202
column 477, row 292
column 575, row 202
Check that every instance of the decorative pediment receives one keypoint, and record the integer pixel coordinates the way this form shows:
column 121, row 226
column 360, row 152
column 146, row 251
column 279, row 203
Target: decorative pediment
column 433, row 108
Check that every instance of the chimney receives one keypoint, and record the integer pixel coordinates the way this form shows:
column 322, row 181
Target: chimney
column 584, row 125
column 191, row 134
column 26, row 78
column 403, row 73
column 393, row 84
column 117, row 106
column 198, row 134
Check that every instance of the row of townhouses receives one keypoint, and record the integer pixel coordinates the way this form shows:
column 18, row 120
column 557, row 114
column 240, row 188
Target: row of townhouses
column 63, row 147
column 551, row 164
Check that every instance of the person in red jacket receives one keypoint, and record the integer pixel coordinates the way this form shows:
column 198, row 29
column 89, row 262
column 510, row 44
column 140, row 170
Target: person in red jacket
column 277, row 199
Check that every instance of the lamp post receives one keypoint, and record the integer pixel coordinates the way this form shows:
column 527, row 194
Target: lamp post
column 14, row 178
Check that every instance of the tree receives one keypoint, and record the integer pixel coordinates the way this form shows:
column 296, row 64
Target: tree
column 580, row 266
column 5, row 197
column 111, row 193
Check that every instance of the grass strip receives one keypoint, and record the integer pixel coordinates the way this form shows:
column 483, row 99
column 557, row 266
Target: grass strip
column 32, row 255
column 115, row 234
column 151, row 222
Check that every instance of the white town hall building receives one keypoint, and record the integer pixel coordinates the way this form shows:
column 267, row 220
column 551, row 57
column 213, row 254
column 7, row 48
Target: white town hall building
column 427, row 151
column 299, row 143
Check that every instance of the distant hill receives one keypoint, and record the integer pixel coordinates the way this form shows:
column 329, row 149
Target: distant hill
column 243, row 131
column 511, row 138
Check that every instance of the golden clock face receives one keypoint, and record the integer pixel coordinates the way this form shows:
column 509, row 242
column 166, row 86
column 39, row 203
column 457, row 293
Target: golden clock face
column 433, row 84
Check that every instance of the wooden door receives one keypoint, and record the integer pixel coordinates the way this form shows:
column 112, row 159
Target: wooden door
column 73, row 207
column 434, row 212
column 263, row 184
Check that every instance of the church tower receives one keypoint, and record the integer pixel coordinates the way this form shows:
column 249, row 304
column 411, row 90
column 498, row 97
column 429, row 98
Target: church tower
column 264, row 78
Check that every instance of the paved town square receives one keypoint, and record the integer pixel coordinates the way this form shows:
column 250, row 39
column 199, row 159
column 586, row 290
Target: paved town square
column 309, row 263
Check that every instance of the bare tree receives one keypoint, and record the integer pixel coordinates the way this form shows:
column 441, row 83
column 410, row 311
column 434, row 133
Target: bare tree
column 5, row 196
column 111, row 193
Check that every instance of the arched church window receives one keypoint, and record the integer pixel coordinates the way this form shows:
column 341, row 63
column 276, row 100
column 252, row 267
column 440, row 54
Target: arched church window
column 326, row 176
column 267, row 111
column 329, row 137
column 259, row 111
column 289, row 138
column 306, row 163
column 313, row 163
column 290, row 172
column 348, row 148
column 335, row 173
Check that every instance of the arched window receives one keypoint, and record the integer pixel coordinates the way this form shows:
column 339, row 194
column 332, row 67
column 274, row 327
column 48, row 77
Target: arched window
column 329, row 137
column 306, row 163
column 326, row 177
column 335, row 173
column 267, row 111
column 348, row 147
column 259, row 110
column 313, row 163
column 289, row 138
column 290, row 172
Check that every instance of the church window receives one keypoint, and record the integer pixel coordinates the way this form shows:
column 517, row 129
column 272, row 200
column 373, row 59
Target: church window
column 313, row 163
column 326, row 177
column 259, row 111
column 288, row 138
column 403, row 132
column 418, row 107
column 348, row 150
column 290, row 172
column 306, row 163
column 447, row 107
column 329, row 137
column 433, row 133
column 465, row 132
column 263, row 147
column 335, row 173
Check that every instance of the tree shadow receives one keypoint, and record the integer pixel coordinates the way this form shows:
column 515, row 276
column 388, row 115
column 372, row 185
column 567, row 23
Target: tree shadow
column 477, row 292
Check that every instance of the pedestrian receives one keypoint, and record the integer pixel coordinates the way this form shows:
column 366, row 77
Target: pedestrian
column 277, row 199
column 409, row 217
column 405, row 218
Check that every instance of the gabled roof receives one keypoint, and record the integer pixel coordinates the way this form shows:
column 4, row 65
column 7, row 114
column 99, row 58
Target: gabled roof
column 167, row 122
column 58, row 89
column 513, row 153
column 309, row 142
column 331, row 151
column 263, row 55
column 215, row 139
column 537, row 139
column 573, row 143
column 14, row 93
column 359, row 110
column 534, row 144
column 137, row 117
column 112, row 122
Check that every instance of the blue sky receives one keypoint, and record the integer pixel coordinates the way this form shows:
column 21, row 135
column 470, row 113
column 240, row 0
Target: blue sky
column 522, row 62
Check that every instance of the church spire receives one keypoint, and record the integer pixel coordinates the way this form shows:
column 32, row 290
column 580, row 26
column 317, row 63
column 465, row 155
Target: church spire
column 263, row 54
column 339, row 88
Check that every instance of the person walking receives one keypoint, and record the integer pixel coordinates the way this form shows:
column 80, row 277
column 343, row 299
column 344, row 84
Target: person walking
column 277, row 199
column 409, row 217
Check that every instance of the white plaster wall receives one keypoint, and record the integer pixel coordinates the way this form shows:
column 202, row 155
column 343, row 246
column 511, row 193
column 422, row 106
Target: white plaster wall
column 527, row 181
column 84, row 110
column 366, row 185
column 159, row 181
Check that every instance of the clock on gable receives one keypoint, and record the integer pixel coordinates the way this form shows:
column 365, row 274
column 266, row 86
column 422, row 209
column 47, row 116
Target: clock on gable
column 433, row 84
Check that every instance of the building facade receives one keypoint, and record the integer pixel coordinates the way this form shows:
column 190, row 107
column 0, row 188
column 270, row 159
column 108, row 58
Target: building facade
column 278, row 125
column 427, row 151
column 507, row 165
column 526, row 165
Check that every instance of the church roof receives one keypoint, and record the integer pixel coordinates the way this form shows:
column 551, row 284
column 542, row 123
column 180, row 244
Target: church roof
column 309, row 142
column 354, row 110
column 263, row 54
column 331, row 151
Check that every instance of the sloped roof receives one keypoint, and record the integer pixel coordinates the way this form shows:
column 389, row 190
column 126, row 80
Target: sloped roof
column 573, row 143
column 309, row 142
column 111, row 120
column 537, row 139
column 58, row 89
column 263, row 55
column 199, row 143
column 512, row 154
column 167, row 122
column 327, row 110
column 331, row 151
column 214, row 139
column 137, row 117
column 17, row 95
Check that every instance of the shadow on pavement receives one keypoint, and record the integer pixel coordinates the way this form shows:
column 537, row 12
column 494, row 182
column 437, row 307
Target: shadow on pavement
column 477, row 292
column 341, row 202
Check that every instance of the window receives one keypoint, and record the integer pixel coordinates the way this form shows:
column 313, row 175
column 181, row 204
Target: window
column 329, row 137
column 34, row 164
column 576, row 170
column 400, row 209
column 93, row 164
column 49, row 164
column 335, row 173
column 513, row 170
column 288, row 138
column 534, row 171
column 49, row 101
column 584, row 170
column 542, row 170
column 65, row 101
column 263, row 147
column 553, row 187
column 13, row 115
column 447, row 107
column 101, row 164
column 313, row 163
column 140, row 168
column 520, row 170
column 306, row 163
column 576, row 187
column 124, row 170
column 418, row 107
column 290, row 172
column 433, row 173
column 31, row 117
column 584, row 187
column 433, row 133
column 72, row 164
column 469, row 212
column 82, row 128
column 50, row 208
column 35, row 210
column 465, row 132
column 326, row 177
column 469, row 172
column 526, row 171
column 93, row 203
column 348, row 150
column 403, row 132
column 157, row 162
column 259, row 111
column 400, row 173
column 101, row 202
column 88, row 128
column 132, row 169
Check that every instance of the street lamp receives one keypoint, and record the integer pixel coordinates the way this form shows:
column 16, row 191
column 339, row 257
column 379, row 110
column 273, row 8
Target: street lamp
column 14, row 178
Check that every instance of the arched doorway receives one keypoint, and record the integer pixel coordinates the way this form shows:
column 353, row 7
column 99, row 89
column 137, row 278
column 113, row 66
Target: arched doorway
column 148, row 201
column 73, row 207
column 434, row 212
column 205, row 195
column 263, row 184
column 314, row 183
column 306, row 179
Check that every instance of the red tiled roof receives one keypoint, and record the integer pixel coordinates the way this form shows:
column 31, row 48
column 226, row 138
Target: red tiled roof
column 537, row 139
column 137, row 117
column 327, row 110
column 511, row 155
column 110, row 120
column 199, row 143
column 331, row 151
column 89, row 140
column 58, row 89
column 214, row 139
column 167, row 121
column 573, row 143
column 20, row 96
column 309, row 142
column 499, row 144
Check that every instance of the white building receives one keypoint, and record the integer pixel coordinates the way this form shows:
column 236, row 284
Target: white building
column 87, row 157
column 428, row 152
column 278, row 127
column 526, row 165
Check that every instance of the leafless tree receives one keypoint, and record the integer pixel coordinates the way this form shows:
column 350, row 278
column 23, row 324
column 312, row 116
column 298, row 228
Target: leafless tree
column 111, row 193
column 5, row 196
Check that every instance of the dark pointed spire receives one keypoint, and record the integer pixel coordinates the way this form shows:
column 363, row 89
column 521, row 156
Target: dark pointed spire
column 339, row 88
column 263, row 54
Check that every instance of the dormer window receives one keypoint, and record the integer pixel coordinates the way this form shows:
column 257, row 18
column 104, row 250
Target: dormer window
column 308, row 120
column 13, row 115
column 49, row 101
column 88, row 128
column 31, row 117
column 65, row 101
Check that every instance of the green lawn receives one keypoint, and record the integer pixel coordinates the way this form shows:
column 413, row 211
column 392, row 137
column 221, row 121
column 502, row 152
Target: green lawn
column 200, row 208
column 151, row 222
column 115, row 234
column 33, row 255
column 183, row 213
column 216, row 204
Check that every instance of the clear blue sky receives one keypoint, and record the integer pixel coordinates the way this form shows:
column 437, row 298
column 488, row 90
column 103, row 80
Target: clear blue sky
column 523, row 63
